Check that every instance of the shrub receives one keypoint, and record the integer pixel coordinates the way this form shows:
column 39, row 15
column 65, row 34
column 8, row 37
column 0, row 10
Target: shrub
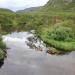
column 2, row 54
column 61, row 33
column 2, row 49
column 2, row 45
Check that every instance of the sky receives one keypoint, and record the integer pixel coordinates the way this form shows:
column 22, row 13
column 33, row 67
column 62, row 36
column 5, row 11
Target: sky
column 21, row 4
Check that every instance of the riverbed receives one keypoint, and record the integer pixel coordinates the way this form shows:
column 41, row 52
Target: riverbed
column 23, row 60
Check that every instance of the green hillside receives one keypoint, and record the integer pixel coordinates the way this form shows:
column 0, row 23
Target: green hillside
column 31, row 9
column 5, row 10
column 60, row 5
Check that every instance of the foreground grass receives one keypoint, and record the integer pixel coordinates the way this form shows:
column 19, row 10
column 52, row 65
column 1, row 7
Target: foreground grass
column 2, row 54
column 2, row 50
column 59, row 45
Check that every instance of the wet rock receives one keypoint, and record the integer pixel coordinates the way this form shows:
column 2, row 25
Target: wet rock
column 30, row 44
column 39, row 48
column 52, row 50
column 1, row 63
column 32, row 31
column 33, row 46
column 32, row 39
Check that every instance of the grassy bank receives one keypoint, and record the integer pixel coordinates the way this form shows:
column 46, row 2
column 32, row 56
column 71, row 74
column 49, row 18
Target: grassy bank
column 2, row 50
column 60, row 36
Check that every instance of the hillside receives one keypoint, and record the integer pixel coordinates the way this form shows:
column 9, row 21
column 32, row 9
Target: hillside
column 5, row 10
column 60, row 5
column 29, row 9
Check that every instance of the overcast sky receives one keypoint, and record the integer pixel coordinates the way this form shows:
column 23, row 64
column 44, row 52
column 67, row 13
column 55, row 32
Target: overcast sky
column 21, row 4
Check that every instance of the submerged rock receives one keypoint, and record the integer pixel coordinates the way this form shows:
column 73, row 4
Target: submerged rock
column 52, row 50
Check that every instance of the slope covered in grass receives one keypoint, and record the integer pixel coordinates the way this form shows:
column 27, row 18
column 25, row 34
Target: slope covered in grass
column 60, row 5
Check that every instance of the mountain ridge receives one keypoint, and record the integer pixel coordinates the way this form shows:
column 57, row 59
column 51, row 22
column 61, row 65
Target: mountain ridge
column 60, row 5
column 5, row 10
column 31, row 9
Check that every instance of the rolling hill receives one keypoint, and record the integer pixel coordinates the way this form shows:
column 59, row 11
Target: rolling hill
column 31, row 9
column 5, row 10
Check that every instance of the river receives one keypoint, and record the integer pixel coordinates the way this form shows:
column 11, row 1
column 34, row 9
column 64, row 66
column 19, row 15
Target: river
column 22, row 60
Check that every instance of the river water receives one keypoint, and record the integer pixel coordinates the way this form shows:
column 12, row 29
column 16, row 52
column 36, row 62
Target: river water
column 22, row 60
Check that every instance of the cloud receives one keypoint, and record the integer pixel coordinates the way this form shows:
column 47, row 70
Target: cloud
column 21, row 4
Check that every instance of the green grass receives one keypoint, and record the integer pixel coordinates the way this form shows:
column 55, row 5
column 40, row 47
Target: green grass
column 61, row 45
column 2, row 50
column 2, row 54
column 55, row 41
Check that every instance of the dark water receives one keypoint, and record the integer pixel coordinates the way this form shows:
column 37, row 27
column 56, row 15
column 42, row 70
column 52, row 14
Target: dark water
column 21, row 60
column 1, row 63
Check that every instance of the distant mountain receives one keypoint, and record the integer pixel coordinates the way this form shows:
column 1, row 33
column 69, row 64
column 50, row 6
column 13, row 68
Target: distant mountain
column 29, row 9
column 60, row 5
column 5, row 10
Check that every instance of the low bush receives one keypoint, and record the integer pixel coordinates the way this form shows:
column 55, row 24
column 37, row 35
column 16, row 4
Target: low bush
column 61, row 33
